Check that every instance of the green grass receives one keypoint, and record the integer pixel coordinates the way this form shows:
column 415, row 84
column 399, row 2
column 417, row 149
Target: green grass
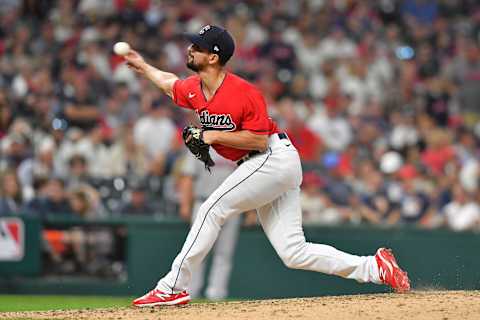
column 43, row 302
column 11, row 303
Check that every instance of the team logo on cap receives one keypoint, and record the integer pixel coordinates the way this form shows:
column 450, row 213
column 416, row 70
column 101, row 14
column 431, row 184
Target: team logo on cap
column 204, row 29
column 216, row 48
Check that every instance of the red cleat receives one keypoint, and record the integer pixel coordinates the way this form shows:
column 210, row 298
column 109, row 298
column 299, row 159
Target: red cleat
column 390, row 272
column 160, row 298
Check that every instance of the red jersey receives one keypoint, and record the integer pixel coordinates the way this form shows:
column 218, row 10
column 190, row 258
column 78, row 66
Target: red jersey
column 236, row 105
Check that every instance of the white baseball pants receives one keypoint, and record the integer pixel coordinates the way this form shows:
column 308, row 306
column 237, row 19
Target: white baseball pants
column 222, row 262
column 269, row 182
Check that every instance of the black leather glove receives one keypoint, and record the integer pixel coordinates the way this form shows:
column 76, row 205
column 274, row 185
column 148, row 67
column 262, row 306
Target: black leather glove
column 193, row 138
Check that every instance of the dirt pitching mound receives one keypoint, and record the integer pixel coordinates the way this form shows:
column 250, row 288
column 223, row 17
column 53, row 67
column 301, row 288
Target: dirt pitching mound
column 417, row 305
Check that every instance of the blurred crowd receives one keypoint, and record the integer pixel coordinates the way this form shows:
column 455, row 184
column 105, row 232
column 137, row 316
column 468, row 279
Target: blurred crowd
column 381, row 98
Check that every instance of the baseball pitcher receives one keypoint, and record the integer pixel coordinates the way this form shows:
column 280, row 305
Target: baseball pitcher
column 235, row 123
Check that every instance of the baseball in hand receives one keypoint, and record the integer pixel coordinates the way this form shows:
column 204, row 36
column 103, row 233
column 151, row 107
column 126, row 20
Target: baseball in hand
column 121, row 48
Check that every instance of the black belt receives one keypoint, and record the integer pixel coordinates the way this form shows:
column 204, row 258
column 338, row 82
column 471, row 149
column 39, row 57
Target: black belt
column 281, row 135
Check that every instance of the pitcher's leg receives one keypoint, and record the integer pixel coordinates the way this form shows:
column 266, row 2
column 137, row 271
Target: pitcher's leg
column 198, row 272
column 222, row 262
column 282, row 223
column 248, row 187
column 200, row 240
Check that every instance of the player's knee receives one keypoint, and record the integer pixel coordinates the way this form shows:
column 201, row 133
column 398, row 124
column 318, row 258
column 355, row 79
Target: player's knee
column 287, row 258
column 291, row 262
column 294, row 258
column 204, row 208
column 212, row 212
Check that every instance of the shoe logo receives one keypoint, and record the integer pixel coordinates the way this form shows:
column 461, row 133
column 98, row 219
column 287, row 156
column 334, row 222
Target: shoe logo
column 191, row 95
column 162, row 295
column 386, row 263
column 383, row 273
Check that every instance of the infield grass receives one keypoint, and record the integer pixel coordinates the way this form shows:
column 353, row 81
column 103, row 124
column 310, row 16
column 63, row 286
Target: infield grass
column 47, row 302
column 12, row 303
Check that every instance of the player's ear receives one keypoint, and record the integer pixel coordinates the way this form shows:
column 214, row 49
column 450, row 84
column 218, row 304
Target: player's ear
column 214, row 58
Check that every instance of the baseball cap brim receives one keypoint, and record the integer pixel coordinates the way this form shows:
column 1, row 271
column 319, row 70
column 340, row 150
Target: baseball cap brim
column 196, row 39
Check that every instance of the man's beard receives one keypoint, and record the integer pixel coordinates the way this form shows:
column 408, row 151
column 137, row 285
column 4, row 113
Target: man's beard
column 192, row 66
column 196, row 67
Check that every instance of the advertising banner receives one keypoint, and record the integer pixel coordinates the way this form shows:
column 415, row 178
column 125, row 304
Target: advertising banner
column 12, row 239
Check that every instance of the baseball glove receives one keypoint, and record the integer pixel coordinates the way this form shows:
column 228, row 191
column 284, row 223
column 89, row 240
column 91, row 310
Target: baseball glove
column 193, row 138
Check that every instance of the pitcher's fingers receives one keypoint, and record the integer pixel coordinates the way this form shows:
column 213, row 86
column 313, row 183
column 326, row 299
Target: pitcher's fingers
column 132, row 66
column 133, row 54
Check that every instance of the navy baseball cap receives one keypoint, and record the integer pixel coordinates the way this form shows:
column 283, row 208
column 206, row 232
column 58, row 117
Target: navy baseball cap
column 214, row 39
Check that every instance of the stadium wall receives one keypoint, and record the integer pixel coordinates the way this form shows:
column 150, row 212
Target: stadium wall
column 433, row 258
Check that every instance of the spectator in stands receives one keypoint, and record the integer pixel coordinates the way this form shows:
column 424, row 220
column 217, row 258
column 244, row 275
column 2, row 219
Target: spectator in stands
column 317, row 208
column 469, row 175
column 463, row 212
column 337, row 45
column 78, row 171
column 155, row 133
column 330, row 124
column 403, row 131
column 11, row 200
column 359, row 85
column 109, row 161
column 464, row 72
column 15, row 149
column 135, row 158
column 437, row 97
column 91, row 245
column 122, row 108
column 420, row 11
column 137, row 202
column 80, row 204
column 6, row 114
column 339, row 190
column 362, row 77
column 80, row 249
column 278, row 51
column 86, row 203
column 80, row 109
column 75, row 142
column 41, row 166
column 53, row 200
column 321, row 79
column 415, row 207
column 309, row 52
column 308, row 144
column 466, row 148
column 438, row 152
column 376, row 207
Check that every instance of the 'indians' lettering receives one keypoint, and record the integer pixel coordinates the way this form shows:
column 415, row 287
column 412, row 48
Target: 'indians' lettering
column 216, row 121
